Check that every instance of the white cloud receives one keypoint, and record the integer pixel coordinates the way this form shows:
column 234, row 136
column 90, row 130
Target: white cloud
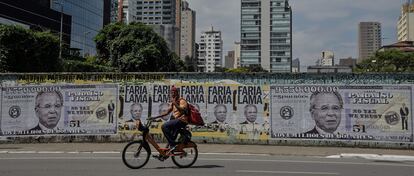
column 224, row 15
column 318, row 24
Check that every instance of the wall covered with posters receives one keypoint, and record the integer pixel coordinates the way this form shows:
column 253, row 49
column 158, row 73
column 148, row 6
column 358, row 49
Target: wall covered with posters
column 237, row 108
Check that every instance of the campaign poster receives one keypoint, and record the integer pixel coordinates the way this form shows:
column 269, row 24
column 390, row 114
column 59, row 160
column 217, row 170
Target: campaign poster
column 220, row 108
column 251, row 110
column 136, row 100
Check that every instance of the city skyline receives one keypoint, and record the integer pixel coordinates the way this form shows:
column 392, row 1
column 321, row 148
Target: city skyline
column 309, row 39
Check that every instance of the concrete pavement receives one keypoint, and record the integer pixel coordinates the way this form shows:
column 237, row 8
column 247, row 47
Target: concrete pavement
column 206, row 148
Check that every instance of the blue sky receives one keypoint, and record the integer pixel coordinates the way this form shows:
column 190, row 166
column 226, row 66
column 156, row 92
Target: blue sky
column 317, row 24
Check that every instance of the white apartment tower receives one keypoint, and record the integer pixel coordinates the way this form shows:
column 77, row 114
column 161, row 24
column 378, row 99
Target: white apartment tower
column 266, row 34
column 163, row 15
column 327, row 58
column 405, row 26
column 210, row 52
column 236, row 55
column 188, row 31
column 369, row 39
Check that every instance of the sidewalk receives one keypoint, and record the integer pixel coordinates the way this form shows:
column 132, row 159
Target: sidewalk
column 207, row 148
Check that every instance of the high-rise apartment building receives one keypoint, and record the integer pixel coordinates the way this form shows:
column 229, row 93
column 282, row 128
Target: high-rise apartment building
column 266, row 34
column 369, row 39
column 296, row 66
column 327, row 58
column 236, row 55
column 188, row 31
column 210, row 51
column 163, row 15
column 114, row 5
column 229, row 60
column 405, row 26
column 350, row 62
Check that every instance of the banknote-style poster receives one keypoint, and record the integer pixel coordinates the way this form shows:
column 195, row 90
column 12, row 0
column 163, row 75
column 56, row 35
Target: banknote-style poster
column 250, row 110
column 357, row 112
column 135, row 105
column 59, row 109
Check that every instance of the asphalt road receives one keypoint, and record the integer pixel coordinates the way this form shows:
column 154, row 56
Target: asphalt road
column 110, row 164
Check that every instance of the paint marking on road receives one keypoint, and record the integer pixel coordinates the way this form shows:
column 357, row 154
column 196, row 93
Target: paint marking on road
column 213, row 159
column 50, row 152
column 234, row 154
column 106, row 152
column 73, row 152
column 311, row 162
column 22, row 152
column 85, row 152
column 62, row 158
column 117, row 152
column 334, row 156
column 286, row 172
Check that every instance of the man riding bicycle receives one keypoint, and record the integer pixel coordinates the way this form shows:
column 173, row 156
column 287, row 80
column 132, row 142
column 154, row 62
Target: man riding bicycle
column 179, row 119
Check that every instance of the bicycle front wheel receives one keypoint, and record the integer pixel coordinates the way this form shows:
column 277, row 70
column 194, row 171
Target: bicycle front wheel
column 135, row 155
column 187, row 157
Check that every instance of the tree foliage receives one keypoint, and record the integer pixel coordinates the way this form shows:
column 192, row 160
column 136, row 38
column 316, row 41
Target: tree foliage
column 388, row 61
column 135, row 48
column 249, row 69
column 74, row 63
column 23, row 50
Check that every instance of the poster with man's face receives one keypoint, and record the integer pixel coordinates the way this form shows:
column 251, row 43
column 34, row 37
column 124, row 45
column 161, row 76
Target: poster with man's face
column 339, row 112
column 136, row 100
column 59, row 109
column 160, row 99
column 220, row 103
column 136, row 104
column 250, row 101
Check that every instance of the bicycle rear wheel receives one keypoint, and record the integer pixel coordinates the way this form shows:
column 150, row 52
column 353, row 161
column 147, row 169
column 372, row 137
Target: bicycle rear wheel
column 187, row 157
column 135, row 155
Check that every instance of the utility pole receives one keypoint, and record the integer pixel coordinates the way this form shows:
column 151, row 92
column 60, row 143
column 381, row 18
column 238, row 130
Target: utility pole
column 84, row 42
column 60, row 3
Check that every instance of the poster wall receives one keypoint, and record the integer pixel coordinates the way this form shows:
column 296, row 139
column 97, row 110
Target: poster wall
column 59, row 110
column 232, row 111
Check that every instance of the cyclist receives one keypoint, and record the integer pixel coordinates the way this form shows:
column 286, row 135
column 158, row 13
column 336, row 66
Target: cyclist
column 179, row 118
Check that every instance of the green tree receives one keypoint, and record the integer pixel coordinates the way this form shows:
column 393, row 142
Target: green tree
column 387, row 61
column 249, row 69
column 238, row 70
column 23, row 50
column 220, row 69
column 135, row 48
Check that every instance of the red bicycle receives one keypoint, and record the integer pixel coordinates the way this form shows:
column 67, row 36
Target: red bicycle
column 137, row 153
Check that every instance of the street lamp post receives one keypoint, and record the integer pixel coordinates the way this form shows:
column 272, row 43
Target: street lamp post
column 60, row 3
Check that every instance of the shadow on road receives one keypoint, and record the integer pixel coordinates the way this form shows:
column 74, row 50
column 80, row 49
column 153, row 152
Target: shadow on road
column 192, row 167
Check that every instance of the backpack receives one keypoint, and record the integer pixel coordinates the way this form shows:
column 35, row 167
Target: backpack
column 194, row 117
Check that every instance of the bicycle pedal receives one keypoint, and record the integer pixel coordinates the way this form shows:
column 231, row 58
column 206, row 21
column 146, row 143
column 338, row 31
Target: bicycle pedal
column 160, row 157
